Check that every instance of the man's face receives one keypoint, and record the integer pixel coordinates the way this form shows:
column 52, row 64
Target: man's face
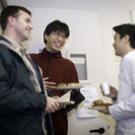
column 55, row 41
column 23, row 25
column 119, row 45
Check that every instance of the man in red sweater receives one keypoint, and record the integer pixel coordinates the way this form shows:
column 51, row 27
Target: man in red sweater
column 58, row 70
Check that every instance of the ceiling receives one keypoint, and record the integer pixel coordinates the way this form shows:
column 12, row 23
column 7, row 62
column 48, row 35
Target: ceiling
column 65, row 4
column 94, row 5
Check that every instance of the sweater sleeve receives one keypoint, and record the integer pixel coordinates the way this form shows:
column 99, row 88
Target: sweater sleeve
column 124, row 109
column 76, row 95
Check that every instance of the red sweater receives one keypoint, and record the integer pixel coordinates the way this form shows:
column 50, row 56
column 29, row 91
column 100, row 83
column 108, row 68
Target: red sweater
column 59, row 70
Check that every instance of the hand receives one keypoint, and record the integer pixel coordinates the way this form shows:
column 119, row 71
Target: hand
column 62, row 105
column 48, row 83
column 113, row 93
column 104, row 109
column 52, row 105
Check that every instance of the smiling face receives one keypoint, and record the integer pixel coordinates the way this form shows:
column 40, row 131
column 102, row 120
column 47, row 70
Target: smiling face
column 22, row 25
column 55, row 41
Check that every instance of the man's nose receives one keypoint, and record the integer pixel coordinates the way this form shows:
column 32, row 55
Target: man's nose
column 31, row 27
column 60, row 38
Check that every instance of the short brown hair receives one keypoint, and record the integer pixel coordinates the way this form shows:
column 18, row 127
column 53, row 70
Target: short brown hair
column 10, row 11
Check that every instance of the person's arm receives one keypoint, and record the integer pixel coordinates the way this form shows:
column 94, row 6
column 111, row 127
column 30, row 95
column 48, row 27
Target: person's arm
column 52, row 104
column 76, row 96
column 126, row 108
column 14, row 98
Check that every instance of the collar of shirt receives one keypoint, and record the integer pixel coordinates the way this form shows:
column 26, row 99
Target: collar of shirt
column 132, row 52
column 15, row 46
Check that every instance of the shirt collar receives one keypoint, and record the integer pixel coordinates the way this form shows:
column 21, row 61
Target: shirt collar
column 129, row 53
column 15, row 46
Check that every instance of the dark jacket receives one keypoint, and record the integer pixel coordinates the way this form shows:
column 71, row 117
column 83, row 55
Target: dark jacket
column 59, row 70
column 21, row 107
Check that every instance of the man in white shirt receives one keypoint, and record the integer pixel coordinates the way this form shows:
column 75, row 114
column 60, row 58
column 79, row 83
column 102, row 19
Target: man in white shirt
column 123, row 111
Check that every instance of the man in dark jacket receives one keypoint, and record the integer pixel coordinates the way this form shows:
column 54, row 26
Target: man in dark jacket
column 23, row 100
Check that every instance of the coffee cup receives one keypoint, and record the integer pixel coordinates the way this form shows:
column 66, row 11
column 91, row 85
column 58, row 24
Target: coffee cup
column 105, row 87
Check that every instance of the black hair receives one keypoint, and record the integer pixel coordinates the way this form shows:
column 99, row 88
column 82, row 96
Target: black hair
column 126, row 29
column 56, row 26
column 10, row 11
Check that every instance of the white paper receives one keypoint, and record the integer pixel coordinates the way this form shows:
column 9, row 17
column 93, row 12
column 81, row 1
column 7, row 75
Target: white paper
column 84, row 109
column 85, row 112
column 65, row 97
column 90, row 93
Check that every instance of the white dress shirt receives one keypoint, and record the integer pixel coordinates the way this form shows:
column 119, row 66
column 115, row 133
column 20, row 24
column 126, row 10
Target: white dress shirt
column 124, row 110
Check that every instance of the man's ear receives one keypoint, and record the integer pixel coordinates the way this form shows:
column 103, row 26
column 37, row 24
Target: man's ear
column 11, row 20
column 126, row 38
column 45, row 36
